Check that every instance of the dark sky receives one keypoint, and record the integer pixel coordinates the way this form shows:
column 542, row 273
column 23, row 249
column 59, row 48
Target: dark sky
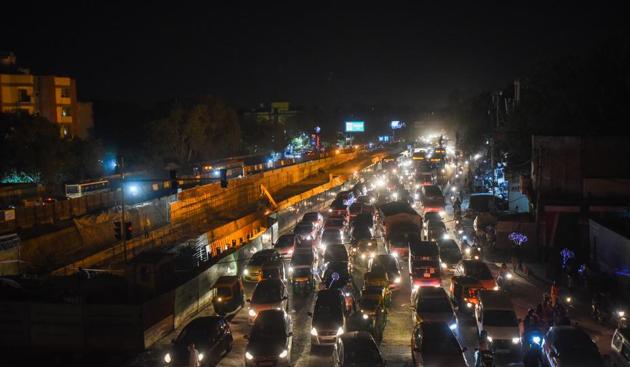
column 322, row 54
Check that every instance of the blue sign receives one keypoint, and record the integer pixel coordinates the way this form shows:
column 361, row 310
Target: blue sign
column 355, row 126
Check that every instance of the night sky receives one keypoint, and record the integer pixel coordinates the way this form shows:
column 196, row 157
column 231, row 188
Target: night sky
column 324, row 54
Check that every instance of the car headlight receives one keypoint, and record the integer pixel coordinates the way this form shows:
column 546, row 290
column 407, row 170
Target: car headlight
column 536, row 339
column 445, row 236
column 313, row 331
column 395, row 254
column 167, row 358
column 365, row 316
column 284, row 354
column 443, row 265
column 397, row 280
column 362, row 256
column 489, row 338
column 290, row 269
column 469, row 305
column 516, row 340
column 508, row 276
column 619, row 313
column 369, row 243
column 340, row 331
column 246, row 272
column 252, row 313
column 496, row 288
column 200, row 357
column 442, row 213
column 476, row 257
column 249, row 356
column 453, row 326
column 416, row 287
column 309, row 237
column 467, row 250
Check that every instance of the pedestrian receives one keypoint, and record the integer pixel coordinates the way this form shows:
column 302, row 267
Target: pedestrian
column 554, row 293
column 193, row 357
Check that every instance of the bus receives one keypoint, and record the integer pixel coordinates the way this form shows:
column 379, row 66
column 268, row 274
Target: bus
column 86, row 188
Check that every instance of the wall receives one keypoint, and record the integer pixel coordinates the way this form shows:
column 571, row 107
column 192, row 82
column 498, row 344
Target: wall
column 611, row 249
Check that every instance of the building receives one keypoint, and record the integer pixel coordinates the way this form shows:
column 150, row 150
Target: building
column 575, row 179
column 52, row 97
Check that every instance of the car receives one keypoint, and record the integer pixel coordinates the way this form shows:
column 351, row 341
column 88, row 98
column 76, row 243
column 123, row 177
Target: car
column 315, row 217
column 434, row 305
column 479, row 270
column 251, row 273
column 285, row 245
column 389, row 264
column 355, row 209
column 356, row 349
column 570, row 346
column 338, row 208
column 270, row 340
column 268, row 294
column 335, row 222
column 331, row 236
column 434, row 344
column 431, row 198
column 273, row 269
column 342, row 268
column 336, row 253
column 347, row 197
column 495, row 315
column 329, row 317
column 366, row 219
column 305, row 231
column 465, row 293
column 373, row 306
column 434, row 230
column 432, row 216
column 212, row 337
column 450, row 255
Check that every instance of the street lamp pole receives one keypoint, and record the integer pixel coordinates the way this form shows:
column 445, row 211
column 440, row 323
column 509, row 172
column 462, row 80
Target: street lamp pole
column 123, row 225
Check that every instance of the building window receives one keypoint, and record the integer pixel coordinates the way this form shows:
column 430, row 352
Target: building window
column 65, row 92
column 65, row 112
column 23, row 95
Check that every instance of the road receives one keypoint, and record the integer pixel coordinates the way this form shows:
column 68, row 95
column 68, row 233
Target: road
column 395, row 346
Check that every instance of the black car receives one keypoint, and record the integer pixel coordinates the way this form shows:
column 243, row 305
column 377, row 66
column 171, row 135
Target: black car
column 360, row 231
column 570, row 346
column 450, row 254
column 270, row 340
column 329, row 318
column 434, row 344
column 357, row 349
column 211, row 336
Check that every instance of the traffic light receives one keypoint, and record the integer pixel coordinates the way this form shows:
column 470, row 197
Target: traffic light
column 117, row 230
column 128, row 230
column 224, row 180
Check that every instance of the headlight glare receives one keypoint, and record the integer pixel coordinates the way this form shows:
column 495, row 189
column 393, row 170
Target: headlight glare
column 284, row 354
column 340, row 331
column 252, row 313
column 313, row 331
column 167, row 358
column 249, row 356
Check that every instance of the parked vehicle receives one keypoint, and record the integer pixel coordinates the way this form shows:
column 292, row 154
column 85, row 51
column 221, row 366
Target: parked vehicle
column 570, row 346
column 212, row 338
column 479, row 270
column 495, row 314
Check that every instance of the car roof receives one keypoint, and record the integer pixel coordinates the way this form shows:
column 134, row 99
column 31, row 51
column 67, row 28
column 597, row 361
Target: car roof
column 431, row 292
column 495, row 300
column 204, row 321
column 274, row 315
column 357, row 336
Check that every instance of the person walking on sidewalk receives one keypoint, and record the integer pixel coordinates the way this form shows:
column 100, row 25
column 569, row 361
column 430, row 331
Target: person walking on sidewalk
column 554, row 292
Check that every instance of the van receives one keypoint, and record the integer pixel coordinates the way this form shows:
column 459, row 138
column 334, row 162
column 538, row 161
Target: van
column 495, row 314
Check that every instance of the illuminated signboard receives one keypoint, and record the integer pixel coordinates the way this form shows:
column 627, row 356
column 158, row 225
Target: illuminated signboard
column 355, row 126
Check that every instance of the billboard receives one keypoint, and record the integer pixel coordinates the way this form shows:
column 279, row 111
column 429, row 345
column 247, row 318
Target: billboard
column 397, row 124
column 355, row 126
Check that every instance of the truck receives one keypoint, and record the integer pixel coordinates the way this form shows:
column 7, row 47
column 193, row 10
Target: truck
column 402, row 224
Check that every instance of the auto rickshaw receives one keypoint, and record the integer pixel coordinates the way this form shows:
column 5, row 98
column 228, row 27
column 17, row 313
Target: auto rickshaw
column 373, row 310
column 229, row 295
column 362, row 250
column 464, row 292
column 302, row 279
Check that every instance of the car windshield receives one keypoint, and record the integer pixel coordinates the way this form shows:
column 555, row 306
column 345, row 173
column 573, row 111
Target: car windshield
column 477, row 270
column 336, row 253
column 259, row 258
column 359, row 353
column 328, row 310
column 313, row 217
column 301, row 272
column 334, row 222
column 386, row 262
column 266, row 292
column 450, row 252
column 499, row 318
column 361, row 233
column 432, row 191
column 432, row 216
column 285, row 241
column 434, row 305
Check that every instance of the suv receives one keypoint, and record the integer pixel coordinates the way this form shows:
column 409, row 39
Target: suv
column 435, row 305
column 357, row 348
column 252, row 270
column 329, row 318
column 210, row 334
column 495, row 314
column 268, row 294
column 270, row 340
column 285, row 245
column 433, row 344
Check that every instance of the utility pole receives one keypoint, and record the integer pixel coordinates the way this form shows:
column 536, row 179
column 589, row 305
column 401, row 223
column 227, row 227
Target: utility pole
column 123, row 226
